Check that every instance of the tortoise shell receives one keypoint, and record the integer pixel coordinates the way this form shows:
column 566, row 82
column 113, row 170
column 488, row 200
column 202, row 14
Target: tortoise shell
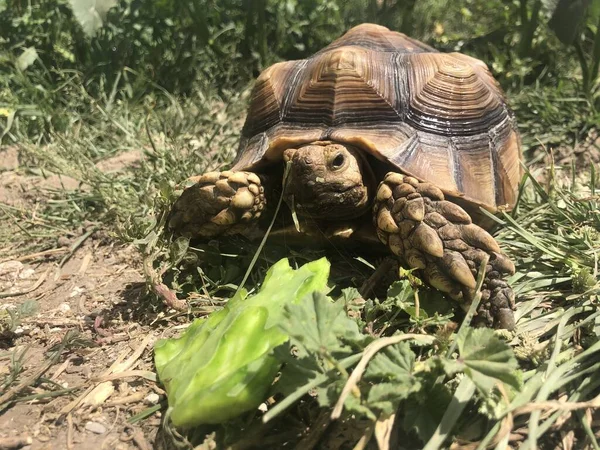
column 440, row 117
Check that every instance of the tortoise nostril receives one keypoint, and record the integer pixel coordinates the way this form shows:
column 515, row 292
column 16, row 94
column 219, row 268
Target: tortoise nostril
column 307, row 159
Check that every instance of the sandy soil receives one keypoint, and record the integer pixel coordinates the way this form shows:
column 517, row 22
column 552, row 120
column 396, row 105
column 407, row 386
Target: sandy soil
column 97, row 292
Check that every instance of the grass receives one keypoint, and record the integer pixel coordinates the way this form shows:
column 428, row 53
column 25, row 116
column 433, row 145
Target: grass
column 553, row 237
column 173, row 141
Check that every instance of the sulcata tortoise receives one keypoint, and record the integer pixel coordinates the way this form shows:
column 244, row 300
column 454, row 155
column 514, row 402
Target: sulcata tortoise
column 379, row 128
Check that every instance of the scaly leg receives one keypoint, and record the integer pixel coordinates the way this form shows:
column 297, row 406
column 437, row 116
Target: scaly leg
column 438, row 237
column 219, row 203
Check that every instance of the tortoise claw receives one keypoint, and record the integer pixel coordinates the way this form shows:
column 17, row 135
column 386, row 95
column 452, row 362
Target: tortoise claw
column 456, row 266
column 426, row 239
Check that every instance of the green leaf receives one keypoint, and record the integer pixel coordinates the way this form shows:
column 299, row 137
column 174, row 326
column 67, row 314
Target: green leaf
column 27, row 58
column 91, row 13
column 349, row 294
column 400, row 297
column 223, row 365
column 433, row 302
column 352, row 404
column 486, row 359
column 392, row 371
column 401, row 291
column 321, row 334
column 319, row 325
column 297, row 371
column 394, row 362
column 386, row 397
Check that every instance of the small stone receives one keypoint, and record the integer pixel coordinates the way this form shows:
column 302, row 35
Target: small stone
column 10, row 270
column 76, row 292
column 152, row 398
column 27, row 273
column 95, row 427
column 63, row 241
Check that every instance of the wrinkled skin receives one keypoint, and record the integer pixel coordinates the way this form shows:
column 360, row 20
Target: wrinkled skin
column 334, row 182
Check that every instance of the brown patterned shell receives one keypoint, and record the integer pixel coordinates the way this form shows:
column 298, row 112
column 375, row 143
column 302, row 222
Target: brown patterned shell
column 440, row 117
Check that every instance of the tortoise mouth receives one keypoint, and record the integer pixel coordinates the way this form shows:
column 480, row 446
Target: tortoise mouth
column 349, row 203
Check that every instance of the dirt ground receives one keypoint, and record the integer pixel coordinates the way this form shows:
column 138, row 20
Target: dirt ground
column 98, row 293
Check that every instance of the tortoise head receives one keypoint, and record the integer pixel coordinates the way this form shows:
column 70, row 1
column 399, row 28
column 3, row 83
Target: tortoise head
column 328, row 181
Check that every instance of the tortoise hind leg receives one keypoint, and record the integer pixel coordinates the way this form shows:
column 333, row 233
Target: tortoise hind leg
column 438, row 237
column 219, row 203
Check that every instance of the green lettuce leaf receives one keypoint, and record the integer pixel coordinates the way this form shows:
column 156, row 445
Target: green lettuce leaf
column 223, row 365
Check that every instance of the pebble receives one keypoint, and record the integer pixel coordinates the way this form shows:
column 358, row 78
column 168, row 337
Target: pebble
column 9, row 271
column 27, row 273
column 95, row 427
column 76, row 291
column 152, row 398
column 63, row 241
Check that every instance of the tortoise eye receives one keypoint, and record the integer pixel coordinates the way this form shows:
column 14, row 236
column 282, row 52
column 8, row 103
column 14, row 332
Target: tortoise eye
column 338, row 161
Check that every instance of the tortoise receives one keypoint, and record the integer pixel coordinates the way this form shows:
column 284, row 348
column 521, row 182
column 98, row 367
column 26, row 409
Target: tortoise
column 380, row 128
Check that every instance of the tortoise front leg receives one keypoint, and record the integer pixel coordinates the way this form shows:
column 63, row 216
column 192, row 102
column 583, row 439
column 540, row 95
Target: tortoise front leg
column 438, row 237
column 219, row 203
